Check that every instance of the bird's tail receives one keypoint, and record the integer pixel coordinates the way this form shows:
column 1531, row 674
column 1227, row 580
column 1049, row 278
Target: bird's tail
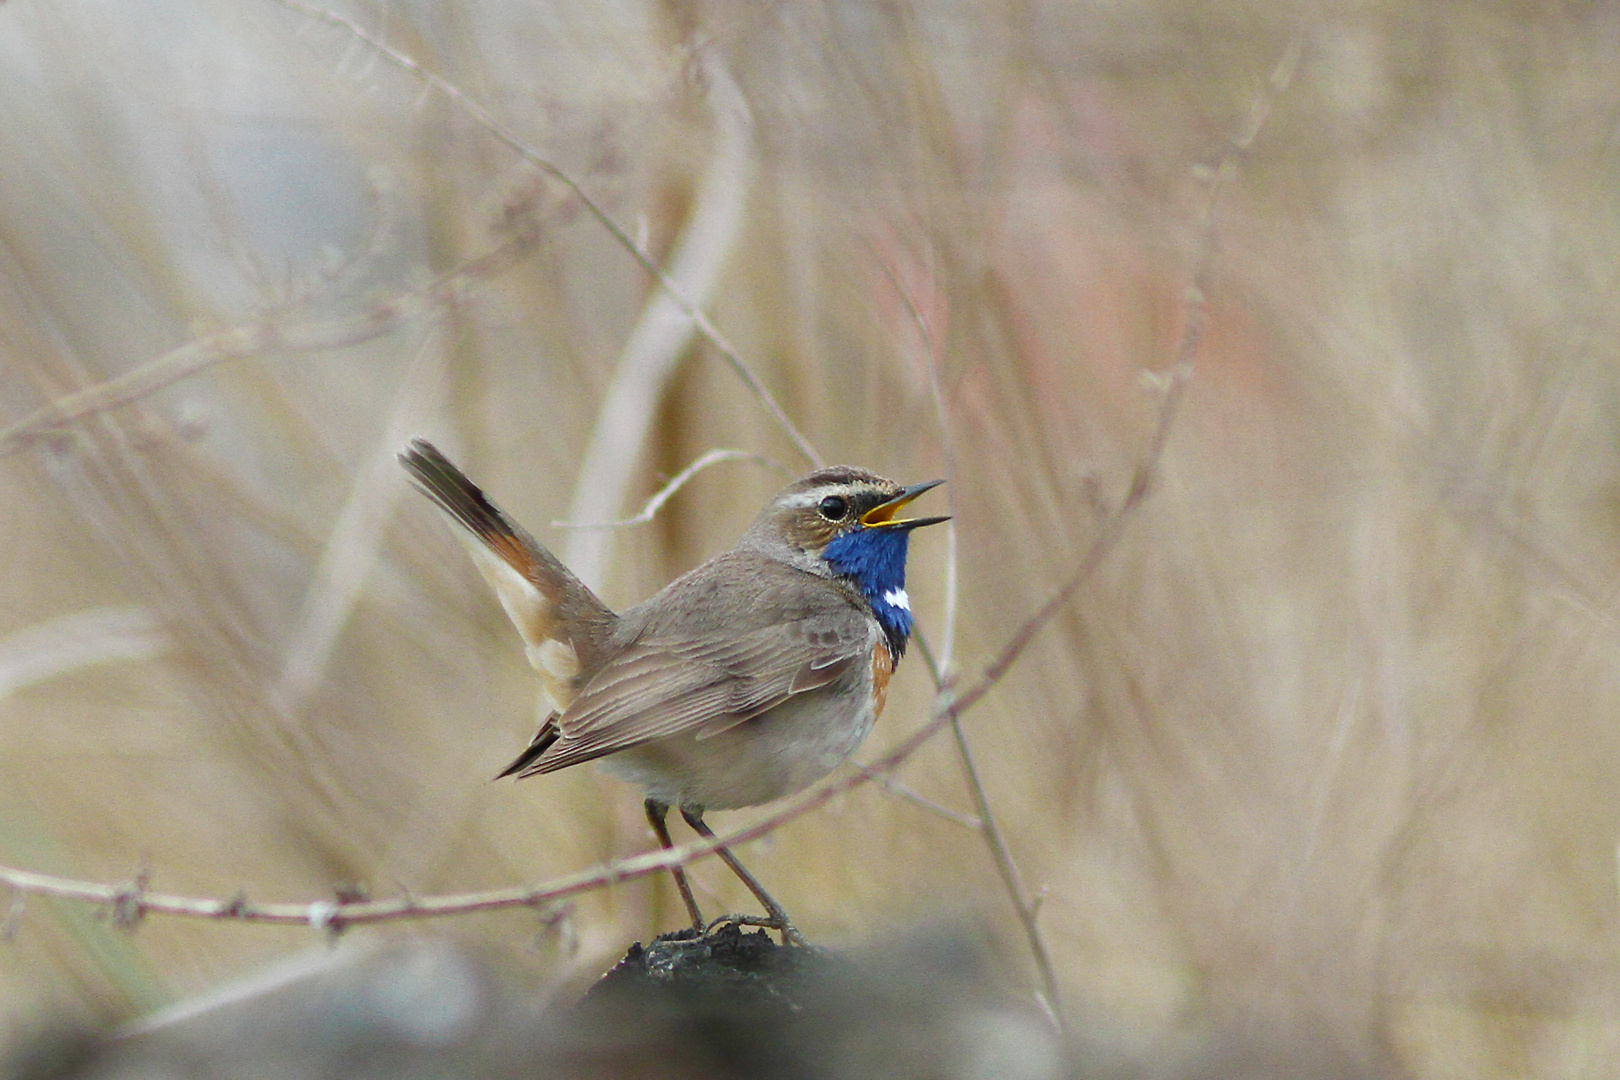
column 564, row 626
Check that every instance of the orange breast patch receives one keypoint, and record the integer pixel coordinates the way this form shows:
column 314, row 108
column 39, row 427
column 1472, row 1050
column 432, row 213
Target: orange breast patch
column 882, row 668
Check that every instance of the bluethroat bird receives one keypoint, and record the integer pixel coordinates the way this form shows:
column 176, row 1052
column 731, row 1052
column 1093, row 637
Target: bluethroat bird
column 742, row 681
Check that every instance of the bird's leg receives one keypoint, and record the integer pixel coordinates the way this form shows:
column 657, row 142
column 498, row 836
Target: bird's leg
column 656, row 812
column 778, row 918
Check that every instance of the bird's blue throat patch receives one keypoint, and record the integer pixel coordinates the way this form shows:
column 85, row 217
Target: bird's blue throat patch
column 875, row 560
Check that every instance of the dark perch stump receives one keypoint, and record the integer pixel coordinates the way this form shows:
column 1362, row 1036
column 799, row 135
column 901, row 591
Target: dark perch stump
column 744, row 968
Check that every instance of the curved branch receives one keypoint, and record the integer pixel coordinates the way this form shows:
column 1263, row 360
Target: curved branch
column 650, row 509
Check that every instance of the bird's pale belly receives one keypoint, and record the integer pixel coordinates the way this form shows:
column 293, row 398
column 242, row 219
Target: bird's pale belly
column 779, row 752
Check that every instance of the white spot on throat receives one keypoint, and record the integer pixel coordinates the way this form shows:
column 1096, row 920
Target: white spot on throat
column 897, row 598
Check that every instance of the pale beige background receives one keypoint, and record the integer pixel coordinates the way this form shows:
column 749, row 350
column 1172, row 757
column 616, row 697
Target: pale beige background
column 1330, row 741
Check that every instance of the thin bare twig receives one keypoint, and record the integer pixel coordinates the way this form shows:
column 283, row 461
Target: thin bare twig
column 650, row 509
column 486, row 120
column 988, row 826
column 1282, row 74
column 937, row 664
column 890, row 784
column 268, row 333
column 1113, row 528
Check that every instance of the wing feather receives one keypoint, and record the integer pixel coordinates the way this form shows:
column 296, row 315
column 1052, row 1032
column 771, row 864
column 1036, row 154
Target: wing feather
column 733, row 642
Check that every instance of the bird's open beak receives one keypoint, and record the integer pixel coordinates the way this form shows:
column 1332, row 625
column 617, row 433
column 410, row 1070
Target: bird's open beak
column 882, row 515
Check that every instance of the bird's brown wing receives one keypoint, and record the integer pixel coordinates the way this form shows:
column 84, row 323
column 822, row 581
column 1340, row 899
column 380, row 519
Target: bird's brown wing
column 707, row 668
column 537, row 746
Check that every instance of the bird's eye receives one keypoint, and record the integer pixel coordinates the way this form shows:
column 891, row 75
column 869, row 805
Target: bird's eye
column 833, row 508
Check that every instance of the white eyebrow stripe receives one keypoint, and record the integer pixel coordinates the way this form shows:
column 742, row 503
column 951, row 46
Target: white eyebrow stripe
column 897, row 598
column 805, row 498
column 814, row 496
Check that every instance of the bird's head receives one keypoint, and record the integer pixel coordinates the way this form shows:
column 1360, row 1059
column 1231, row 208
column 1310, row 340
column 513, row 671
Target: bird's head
column 844, row 522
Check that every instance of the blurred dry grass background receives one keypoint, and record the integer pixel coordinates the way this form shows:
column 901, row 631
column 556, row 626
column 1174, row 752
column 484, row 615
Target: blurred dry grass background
column 1327, row 747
